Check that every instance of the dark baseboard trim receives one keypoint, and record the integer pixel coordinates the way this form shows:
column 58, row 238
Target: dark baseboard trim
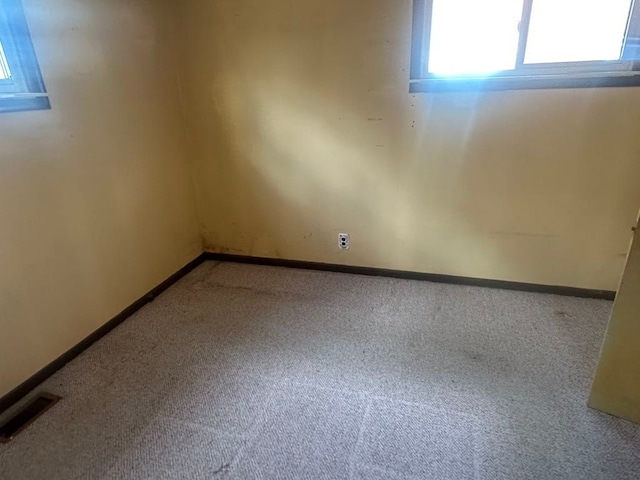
column 22, row 390
column 31, row 383
column 429, row 277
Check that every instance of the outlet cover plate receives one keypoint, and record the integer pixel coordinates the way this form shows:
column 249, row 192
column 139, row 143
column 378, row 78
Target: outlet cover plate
column 344, row 241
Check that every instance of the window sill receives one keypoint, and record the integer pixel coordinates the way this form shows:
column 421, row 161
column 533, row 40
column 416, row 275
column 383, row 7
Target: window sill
column 467, row 84
column 21, row 104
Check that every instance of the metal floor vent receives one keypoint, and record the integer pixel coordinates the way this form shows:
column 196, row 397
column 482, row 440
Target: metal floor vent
column 24, row 417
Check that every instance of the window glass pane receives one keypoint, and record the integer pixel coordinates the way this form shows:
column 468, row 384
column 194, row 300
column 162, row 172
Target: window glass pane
column 576, row 30
column 4, row 66
column 472, row 36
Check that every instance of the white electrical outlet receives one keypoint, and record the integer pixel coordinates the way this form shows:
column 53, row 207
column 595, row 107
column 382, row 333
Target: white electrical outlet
column 343, row 241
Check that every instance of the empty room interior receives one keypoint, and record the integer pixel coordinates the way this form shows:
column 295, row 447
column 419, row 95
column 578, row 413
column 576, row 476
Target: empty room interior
column 359, row 240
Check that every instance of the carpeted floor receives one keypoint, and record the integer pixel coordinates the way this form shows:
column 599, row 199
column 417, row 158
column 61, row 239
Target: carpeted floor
column 248, row 372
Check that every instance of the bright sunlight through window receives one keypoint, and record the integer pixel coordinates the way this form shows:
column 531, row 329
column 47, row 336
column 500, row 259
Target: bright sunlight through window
column 469, row 37
column 556, row 36
column 21, row 83
column 5, row 73
column 506, row 44
column 461, row 43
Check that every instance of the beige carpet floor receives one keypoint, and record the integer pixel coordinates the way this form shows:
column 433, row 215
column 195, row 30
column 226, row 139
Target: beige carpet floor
column 249, row 372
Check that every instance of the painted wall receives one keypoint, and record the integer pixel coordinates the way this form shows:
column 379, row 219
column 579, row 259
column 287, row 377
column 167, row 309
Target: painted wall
column 303, row 128
column 299, row 126
column 616, row 389
column 96, row 202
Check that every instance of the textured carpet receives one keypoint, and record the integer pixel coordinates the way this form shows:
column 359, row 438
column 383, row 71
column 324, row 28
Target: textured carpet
column 248, row 372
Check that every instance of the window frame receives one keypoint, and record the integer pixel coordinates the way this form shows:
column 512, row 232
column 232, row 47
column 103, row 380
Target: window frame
column 609, row 73
column 25, row 90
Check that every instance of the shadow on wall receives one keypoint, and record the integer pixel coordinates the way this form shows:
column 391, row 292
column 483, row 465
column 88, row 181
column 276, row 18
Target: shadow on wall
column 303, row 128
column 96, row 201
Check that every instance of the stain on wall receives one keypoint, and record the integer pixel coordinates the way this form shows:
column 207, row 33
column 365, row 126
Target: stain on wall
column 301, row 121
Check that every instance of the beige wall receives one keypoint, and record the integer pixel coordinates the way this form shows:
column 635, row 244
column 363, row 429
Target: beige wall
column 300, row 126
column 96, row 203
column 616, row 389
column 303, row 128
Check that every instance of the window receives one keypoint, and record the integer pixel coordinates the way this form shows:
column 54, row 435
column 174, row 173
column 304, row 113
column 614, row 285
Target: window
column 21, row 85
column 517, row 44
